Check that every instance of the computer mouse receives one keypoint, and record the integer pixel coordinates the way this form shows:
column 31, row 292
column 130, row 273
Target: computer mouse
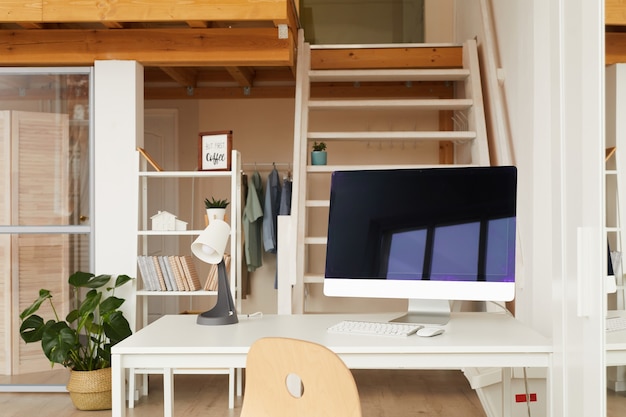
column 429, row 331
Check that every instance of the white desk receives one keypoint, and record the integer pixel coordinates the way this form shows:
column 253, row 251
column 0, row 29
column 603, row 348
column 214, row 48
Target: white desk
column 470, row 340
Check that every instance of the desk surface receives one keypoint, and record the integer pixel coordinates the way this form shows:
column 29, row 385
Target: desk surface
column 470, row 340
column 490, row 334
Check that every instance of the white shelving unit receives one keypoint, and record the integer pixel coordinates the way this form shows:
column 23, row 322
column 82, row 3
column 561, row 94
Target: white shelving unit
column 234, row 219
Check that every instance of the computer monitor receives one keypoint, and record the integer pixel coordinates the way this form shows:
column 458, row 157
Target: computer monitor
column 427, row 235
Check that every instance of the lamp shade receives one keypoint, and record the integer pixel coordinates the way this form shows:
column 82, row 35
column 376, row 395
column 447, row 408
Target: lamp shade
column 209, row 247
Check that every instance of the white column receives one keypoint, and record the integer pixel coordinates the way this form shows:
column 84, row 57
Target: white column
column 118, row 98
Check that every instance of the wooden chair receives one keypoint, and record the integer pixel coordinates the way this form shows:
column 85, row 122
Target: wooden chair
column 290, row 377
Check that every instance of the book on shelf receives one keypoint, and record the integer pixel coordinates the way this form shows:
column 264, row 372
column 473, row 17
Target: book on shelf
column 176, row 267
column 168, row 273
column 159, row 275
column 211, row 281
column 190, row 273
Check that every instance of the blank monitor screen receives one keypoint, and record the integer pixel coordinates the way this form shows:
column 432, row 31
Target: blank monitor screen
column 454, row 225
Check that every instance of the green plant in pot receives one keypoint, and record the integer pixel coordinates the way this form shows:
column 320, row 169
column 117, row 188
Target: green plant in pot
column 215, row 209
column 82, row 341
column 318, row 154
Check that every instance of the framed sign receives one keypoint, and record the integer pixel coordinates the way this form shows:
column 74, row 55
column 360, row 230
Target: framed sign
column 214, row 149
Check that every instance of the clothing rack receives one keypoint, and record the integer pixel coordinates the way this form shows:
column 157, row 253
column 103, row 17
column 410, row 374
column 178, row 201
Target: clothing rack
column 266, row 164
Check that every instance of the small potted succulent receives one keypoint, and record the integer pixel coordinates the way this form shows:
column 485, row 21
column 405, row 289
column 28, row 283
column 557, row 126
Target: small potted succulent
column 82, row 341
column 215, row 209
column 318, row 155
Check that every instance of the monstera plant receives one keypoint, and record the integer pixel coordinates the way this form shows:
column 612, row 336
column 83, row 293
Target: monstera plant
column 82, row 340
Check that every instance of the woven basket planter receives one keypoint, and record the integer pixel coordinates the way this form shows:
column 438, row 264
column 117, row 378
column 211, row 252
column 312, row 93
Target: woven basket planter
column 90, row 390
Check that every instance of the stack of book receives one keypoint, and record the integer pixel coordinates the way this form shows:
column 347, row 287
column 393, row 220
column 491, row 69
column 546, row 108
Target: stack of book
column 211, row 281
column 168, row 273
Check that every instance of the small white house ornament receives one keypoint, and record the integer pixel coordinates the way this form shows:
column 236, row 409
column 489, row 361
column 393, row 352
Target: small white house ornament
column 165, row 220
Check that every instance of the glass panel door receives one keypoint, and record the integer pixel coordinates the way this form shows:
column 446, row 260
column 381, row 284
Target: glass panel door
column 45, row 198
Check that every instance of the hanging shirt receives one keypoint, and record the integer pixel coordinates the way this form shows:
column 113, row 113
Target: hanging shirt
column 270, row 220
column 285, row 197
column 252, row 221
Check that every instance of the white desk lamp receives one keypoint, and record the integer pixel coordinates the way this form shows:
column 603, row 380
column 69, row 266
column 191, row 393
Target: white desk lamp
column 209, row 247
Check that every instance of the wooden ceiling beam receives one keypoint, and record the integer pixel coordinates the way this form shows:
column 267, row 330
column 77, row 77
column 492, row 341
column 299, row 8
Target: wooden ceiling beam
column 615, row 12
column 21, row 11
column 187, row 77
column 30, row 25
column 197, row 23
column 179, row 93
column 614, row 48
column 243, row 75
column 318, row 90
column 141, row 11
column 113, row 25
column 151, row 47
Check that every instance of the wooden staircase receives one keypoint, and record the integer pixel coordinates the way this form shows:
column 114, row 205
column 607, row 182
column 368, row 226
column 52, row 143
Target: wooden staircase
column 376, row 107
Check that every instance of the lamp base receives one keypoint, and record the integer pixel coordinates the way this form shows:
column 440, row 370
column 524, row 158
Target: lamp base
column 224, row 311
column 207, row 319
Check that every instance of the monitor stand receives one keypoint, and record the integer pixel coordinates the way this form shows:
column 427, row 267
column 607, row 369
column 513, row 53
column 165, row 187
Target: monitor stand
column 435, row 312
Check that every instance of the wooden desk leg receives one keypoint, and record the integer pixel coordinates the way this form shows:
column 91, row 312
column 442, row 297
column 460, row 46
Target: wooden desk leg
column 117, row 387
column 168, row 392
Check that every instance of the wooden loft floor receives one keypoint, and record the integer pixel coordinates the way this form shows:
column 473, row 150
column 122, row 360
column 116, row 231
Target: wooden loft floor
column 189, row 49
column 194, row 49
column 239, row 43
column 615, row 31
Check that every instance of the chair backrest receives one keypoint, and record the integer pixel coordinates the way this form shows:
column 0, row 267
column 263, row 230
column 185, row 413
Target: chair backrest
column 323, row 385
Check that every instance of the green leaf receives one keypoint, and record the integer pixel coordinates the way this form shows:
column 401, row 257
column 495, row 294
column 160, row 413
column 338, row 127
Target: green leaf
column 43, row 296
column 110, row 304
column 72, row 316
column 90, row 303
column 116, row 327
column 58, row 341
column 121, row 280
column 79, row 278
column 32, row 329
column 88, row 280
column 105, row 353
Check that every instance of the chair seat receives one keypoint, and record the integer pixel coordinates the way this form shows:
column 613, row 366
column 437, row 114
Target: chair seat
column 289, row 377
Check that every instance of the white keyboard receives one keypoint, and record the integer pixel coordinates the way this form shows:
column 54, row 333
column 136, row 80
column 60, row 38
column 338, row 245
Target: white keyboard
column 614, row 324
column 374, row 328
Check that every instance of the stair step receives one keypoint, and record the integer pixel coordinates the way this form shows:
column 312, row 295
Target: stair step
column 317, row 203
column 394, row 135
column 316, row 240
column 389, row 75
column 395, row 104
column 331, row 168
column 313, row 278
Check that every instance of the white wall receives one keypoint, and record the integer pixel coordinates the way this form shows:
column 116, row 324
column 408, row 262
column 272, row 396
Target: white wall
column 551, row 53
